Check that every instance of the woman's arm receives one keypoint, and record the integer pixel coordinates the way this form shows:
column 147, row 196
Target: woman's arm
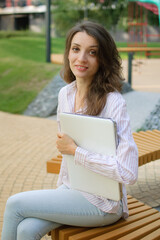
column 124, row 166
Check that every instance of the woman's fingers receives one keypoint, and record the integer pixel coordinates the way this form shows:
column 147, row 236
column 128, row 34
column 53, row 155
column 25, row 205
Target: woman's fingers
column 65, row 144
column 59, row 134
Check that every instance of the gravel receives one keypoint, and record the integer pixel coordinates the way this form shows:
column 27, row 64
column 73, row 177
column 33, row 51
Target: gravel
column 153, row 120
column 45, row 104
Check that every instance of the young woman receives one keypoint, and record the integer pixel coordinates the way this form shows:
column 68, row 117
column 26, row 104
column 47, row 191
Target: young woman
column 92, row 69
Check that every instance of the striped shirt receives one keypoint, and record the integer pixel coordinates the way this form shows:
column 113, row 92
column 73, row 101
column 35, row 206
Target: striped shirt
column 123, row 167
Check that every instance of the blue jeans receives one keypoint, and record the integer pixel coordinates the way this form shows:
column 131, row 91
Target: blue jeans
column 31, row 215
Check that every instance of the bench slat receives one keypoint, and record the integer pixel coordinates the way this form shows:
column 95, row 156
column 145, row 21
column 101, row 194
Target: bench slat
column 142, row 232
column 65, row 233
column 120, row 232
column 151, row 134
column 132, row 200
column 53, row 166
column 147, row 138
column 135, row 205
column 138, row 210
column 153, row 236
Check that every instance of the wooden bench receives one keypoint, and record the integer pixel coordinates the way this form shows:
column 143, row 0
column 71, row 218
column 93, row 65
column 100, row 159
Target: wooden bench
column 148, row 50
column 143, row 221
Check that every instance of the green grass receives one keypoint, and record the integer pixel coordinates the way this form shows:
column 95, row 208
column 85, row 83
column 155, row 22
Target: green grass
column 23, row 71
column 21, row 81
column 58, row 45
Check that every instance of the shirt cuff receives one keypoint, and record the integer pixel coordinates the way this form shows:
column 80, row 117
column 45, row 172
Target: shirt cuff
column 80, row 156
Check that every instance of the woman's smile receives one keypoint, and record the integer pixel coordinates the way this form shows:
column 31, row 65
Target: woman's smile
column 81, row 68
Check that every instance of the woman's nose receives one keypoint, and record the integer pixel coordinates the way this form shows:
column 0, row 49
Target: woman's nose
column 82, row 56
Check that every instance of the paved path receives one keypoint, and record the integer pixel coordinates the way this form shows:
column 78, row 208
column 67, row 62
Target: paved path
column 145, row 74
column 139, row 106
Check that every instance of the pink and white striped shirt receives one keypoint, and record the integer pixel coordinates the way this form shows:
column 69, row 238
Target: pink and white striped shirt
column 123, row 167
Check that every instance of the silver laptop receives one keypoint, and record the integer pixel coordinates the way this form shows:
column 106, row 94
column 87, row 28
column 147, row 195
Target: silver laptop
column 97, row 135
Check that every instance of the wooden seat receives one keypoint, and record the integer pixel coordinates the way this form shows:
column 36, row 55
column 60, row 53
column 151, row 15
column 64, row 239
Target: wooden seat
column 143, row 221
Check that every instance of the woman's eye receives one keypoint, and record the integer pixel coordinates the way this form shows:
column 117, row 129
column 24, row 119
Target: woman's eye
column 75, row 49
column 93, row 53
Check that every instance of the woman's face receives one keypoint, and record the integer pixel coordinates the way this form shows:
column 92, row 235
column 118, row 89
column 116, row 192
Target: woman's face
column 83, row 56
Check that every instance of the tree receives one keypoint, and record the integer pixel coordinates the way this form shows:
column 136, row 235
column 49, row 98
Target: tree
column 67, row 13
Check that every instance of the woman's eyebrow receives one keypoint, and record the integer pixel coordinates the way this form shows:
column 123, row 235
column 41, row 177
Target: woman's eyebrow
column 94, row 46
column 76, row 44
column 89, row 46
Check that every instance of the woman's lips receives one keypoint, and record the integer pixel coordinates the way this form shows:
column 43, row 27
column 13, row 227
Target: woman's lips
column 81, row 68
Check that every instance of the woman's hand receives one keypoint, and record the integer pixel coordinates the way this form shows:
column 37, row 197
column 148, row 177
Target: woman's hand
column 65, row 144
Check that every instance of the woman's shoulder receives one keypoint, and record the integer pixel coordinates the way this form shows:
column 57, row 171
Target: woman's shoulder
column 67, row 88
column 115, row 96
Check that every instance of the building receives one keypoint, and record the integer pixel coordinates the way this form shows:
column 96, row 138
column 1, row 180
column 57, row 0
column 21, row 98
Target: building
column 22, row 15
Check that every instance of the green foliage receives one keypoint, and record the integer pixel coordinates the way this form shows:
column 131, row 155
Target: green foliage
column 65, row 15
column 153, row 19
column 140, row 129
column 68, row 13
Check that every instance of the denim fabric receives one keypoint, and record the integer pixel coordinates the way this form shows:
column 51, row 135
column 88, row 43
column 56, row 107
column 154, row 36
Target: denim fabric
column 30, row 215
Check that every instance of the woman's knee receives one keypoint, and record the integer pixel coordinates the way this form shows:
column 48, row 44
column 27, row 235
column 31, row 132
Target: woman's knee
column 27, row 230
column 12, row 203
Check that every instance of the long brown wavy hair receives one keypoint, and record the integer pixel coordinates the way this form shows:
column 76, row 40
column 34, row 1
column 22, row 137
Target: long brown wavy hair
column 109, row 76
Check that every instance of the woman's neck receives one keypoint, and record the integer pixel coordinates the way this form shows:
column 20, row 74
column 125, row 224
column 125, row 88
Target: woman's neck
column 82, row 88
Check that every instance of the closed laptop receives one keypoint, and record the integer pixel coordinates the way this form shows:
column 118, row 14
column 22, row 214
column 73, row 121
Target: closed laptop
column 97, row 135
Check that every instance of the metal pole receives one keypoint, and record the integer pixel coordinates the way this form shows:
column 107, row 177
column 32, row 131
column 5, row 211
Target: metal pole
column 14, row 23
column 130, row 58
column 48, row 32
column 85, row 11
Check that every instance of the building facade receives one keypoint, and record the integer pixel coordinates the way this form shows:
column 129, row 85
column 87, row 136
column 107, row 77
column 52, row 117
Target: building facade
column 22, row 15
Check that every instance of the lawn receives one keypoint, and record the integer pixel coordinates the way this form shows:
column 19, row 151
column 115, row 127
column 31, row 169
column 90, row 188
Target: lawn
column 23, row 68
column 23, row 71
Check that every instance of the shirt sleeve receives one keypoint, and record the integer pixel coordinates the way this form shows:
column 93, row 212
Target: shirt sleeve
column 59, row 110
column 58, row 121
column 59, row 107
column 124, row 166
